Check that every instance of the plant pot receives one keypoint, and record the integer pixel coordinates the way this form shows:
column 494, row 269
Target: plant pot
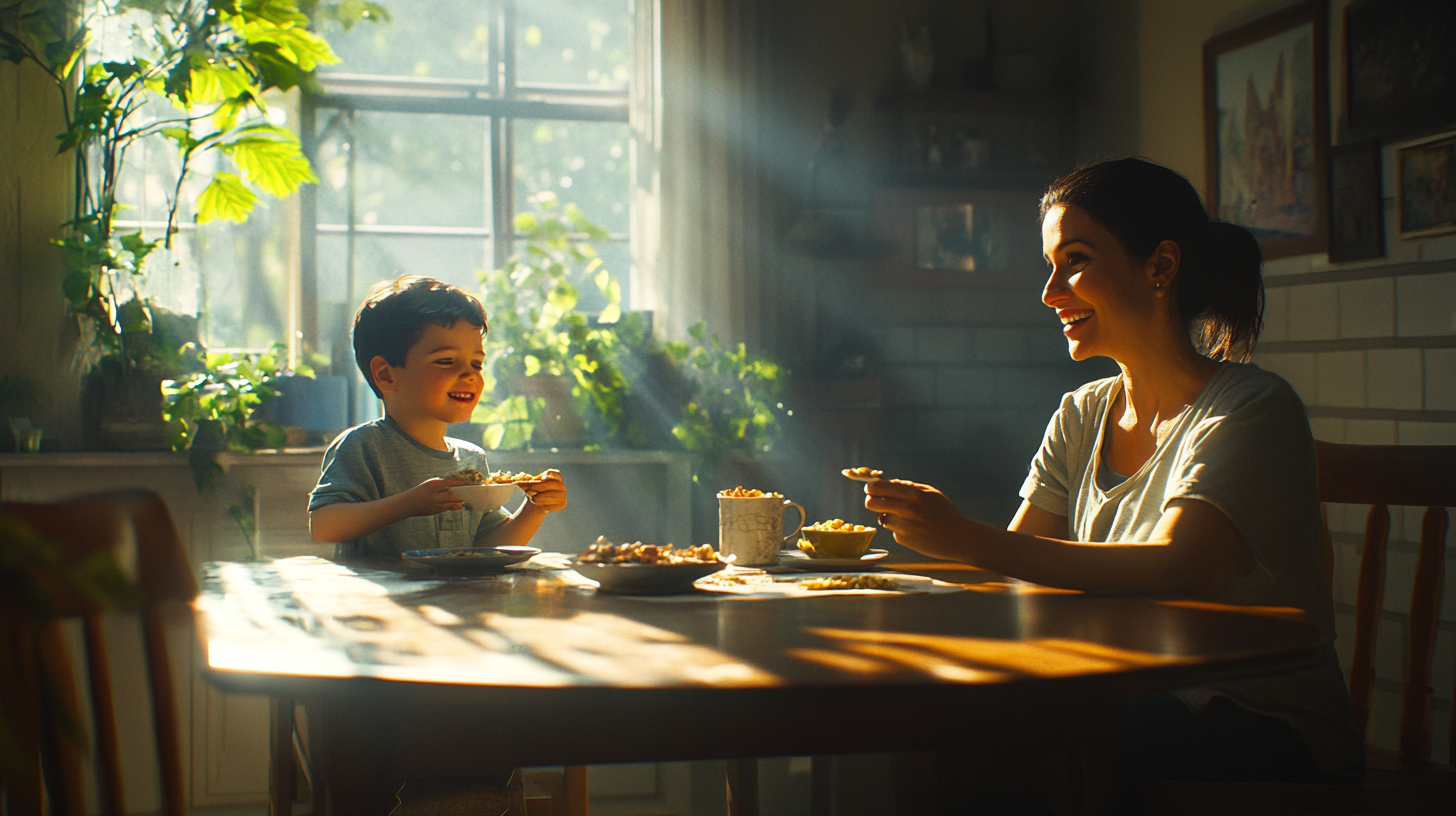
column 123, row 412
column 561, row 425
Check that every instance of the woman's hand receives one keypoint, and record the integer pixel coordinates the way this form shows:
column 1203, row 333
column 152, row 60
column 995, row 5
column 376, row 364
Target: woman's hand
column 549, row 494
column 921, row 517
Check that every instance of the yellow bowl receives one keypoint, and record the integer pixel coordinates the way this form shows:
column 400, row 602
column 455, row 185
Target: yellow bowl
column 836, row 543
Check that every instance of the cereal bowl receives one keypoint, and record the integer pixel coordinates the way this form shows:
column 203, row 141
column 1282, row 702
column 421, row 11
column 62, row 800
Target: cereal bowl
column 647, row 579
column 483, row 498
column 843, row 543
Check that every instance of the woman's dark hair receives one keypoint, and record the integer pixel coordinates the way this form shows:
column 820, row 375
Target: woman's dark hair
column 1219, row 291
column 394, row 315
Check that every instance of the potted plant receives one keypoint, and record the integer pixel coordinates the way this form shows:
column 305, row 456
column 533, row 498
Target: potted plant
column 552, row 369
column 19, row 400
column 194, row 73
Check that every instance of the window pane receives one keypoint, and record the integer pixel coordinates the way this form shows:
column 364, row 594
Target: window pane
column 234, row 276
column 581, row 162
column 580, row 42
column 425, row 38
column 418, row 170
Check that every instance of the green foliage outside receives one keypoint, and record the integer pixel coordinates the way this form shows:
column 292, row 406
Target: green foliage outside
column 210, row 62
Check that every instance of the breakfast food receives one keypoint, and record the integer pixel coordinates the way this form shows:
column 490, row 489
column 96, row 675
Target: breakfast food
column 838, row 526
column 468, row 475
column 862, row 474
column 506, row 477
column 851, row 582
column 741, row 492
column 605, row 552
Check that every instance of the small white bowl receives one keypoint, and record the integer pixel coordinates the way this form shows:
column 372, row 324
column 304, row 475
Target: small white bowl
column 483, row 498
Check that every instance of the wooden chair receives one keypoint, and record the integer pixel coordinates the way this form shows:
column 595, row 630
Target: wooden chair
column 135, row 527
column 1403, row 781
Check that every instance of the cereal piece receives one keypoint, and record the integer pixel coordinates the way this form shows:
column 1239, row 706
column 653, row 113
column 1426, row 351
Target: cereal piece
column 506, row 477
column 605, row 552
column 838, row 526
column 879, row 582
column 862, row 474
column 741, row 492
column 468, row 475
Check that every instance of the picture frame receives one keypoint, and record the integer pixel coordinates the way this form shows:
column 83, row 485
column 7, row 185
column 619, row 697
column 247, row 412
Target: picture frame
column 1266, row 129
column 960, row 237
column 1357, row 211
column 1400, row 68
column 1426, row 186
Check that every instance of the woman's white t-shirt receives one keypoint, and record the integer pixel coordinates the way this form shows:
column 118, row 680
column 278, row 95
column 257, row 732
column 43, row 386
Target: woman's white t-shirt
column 1243, row 446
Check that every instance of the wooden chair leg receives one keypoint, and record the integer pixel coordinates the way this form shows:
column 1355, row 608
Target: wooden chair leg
column 574, row 803
column 743, row 787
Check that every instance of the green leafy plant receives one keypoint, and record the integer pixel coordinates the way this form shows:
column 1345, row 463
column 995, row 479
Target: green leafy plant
column 192, row 72
column 733, row 400
column 536, row 330
column 215, row 409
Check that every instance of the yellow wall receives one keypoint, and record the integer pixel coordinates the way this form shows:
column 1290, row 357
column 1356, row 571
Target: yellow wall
column 37, row 338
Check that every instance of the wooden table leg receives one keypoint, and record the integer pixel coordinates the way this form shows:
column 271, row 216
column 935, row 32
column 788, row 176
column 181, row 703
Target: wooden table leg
column 743, row 787
column 359, row 774
column 281, row 772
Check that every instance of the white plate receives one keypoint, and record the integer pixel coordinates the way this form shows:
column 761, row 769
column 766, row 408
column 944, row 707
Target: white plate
column 799, row 560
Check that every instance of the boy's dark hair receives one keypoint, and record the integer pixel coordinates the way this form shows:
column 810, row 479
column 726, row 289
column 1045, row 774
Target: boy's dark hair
column 395, row 313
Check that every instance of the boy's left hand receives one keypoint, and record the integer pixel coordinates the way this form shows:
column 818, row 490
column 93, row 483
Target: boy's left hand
column 549, row 494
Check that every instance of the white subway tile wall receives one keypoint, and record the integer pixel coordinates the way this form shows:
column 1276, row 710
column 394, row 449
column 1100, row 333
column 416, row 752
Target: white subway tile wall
column 1314, row 311
column 1426, row 305
column 1340, row 379
column 1440, row 375
column 1276, row 315
column 1393, row 379
column 1367, row 308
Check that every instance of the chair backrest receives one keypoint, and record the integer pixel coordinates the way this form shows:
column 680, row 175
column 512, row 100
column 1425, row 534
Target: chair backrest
column 135, row 527
column 1408, row 476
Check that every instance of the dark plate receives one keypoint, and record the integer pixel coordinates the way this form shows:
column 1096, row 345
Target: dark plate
column 475, row 560
column 646, row 579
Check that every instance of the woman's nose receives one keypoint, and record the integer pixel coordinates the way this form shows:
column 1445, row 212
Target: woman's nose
column 1055, row 289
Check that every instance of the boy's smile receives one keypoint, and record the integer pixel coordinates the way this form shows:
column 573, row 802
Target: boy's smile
column 439, row 383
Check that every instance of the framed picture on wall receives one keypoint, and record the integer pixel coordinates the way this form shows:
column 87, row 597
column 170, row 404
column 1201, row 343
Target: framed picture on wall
column 1357, row 211
column 1266, row 131
column 1427, row 194
column 960, row 237
column 1400, row 68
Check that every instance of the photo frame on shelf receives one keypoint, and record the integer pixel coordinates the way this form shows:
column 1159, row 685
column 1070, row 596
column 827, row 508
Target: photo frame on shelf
column 1266, row 129
column 1426, row 194
column 1357, row 211
column 960, row 236
column 1400, row 68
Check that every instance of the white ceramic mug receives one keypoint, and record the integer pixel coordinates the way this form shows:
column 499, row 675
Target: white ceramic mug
column 752, row 528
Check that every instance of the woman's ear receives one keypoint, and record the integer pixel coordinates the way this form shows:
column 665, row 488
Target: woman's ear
column 1163, row 264
column 382, row 373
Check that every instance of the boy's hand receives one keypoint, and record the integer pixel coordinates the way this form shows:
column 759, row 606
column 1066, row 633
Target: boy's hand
column 549, row 494
column 433, row 496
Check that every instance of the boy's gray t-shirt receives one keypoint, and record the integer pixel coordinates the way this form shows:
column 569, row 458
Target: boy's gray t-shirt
column 1245, row 447
column 378, row 459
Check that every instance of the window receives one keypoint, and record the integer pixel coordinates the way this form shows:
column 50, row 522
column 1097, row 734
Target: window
column 438, row 127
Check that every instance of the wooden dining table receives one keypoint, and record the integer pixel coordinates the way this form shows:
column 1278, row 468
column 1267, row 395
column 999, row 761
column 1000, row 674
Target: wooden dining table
column 421, row 674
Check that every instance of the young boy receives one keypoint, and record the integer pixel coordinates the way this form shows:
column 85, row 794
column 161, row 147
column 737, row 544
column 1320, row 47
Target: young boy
column 383, row 488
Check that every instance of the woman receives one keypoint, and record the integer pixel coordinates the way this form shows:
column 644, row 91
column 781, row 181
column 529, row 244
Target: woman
column 1190, row 473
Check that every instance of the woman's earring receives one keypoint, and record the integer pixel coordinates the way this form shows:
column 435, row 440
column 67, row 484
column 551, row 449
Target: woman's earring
column 1158, row 287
